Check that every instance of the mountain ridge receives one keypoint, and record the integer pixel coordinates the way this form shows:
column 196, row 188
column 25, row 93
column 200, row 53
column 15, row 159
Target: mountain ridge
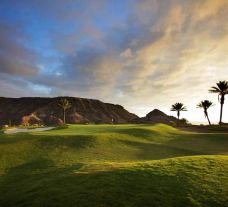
column 45, row 110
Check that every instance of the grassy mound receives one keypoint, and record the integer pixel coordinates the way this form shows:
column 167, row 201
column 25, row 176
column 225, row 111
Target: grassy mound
column 120, row 165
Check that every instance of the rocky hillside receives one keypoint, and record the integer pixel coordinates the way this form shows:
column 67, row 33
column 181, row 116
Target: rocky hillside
column 31, row 110
column 156, row 116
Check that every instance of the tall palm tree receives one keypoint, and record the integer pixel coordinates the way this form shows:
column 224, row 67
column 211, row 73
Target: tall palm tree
column 205, row 105
column 64, row 104
column 222, row 90
column 178, row 107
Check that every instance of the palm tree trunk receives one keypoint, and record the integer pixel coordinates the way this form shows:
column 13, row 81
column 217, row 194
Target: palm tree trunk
column 206, row 114
column 64, row 116
column 178, row 118
column 208, row 120
column 221, row 111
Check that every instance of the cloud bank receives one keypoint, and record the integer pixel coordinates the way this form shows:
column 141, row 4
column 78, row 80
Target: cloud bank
column 141, row 54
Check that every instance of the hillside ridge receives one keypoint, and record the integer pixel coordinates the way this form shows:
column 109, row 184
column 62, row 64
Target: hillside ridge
column 156, row 116
column 45, row 110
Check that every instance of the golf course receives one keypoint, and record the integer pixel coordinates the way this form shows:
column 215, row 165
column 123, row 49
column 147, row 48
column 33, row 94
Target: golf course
column 114, row 165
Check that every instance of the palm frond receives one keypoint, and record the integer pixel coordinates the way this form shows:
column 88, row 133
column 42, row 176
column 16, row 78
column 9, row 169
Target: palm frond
column 64, row 103
column 205, row 104
column 214, row 90
column 178, row 107
column 222, row 87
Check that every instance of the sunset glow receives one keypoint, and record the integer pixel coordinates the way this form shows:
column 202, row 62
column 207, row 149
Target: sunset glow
column 141, row 54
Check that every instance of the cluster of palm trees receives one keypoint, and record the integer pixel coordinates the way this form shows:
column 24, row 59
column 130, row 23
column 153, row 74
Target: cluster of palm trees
column 221, row 89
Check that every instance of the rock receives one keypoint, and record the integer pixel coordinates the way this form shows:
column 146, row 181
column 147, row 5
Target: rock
column 53, row 121
column 78, row 118
column 31, row 120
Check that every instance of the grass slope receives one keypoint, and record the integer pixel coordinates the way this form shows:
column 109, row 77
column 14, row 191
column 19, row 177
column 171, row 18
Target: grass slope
column 120, row 165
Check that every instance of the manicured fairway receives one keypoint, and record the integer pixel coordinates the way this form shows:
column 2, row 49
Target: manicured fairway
column 114, row 165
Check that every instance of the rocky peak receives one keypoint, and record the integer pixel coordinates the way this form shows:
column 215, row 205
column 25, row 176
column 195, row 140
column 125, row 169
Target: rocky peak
column 156, row 116
column 156, row 113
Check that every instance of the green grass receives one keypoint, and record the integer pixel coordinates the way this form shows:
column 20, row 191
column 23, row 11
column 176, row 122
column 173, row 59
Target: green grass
column 114, row 165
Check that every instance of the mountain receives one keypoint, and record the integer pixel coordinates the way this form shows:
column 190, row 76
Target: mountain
column 156, row 116
column 36, row 110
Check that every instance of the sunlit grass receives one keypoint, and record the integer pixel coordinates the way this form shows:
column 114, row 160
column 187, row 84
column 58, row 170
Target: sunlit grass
column 114, row 165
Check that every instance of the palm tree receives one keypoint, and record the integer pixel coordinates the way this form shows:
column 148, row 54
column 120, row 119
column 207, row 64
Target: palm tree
column 64, row 104
column 222, row 90
column 178, row 107
column 205, row 105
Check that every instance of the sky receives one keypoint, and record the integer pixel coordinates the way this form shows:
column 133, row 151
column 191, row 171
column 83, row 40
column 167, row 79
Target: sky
column 141, row 54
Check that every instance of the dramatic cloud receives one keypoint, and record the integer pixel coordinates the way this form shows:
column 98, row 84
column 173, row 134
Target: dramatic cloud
column 14, row 57
column 141, row 54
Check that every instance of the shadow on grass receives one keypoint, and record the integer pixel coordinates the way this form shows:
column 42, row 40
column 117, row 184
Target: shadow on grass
column 76, row 142
column 40, row 183
column 152, row 151
column 180, row 145
column 203, row 143
column 14, row 138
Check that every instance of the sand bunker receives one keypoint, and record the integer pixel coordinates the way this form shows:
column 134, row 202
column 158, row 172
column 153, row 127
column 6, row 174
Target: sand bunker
column 16, row 130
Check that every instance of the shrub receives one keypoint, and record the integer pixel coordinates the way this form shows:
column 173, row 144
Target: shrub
column 64, row 126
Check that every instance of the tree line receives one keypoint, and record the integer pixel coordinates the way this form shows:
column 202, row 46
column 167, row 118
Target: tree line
column 221, row 89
